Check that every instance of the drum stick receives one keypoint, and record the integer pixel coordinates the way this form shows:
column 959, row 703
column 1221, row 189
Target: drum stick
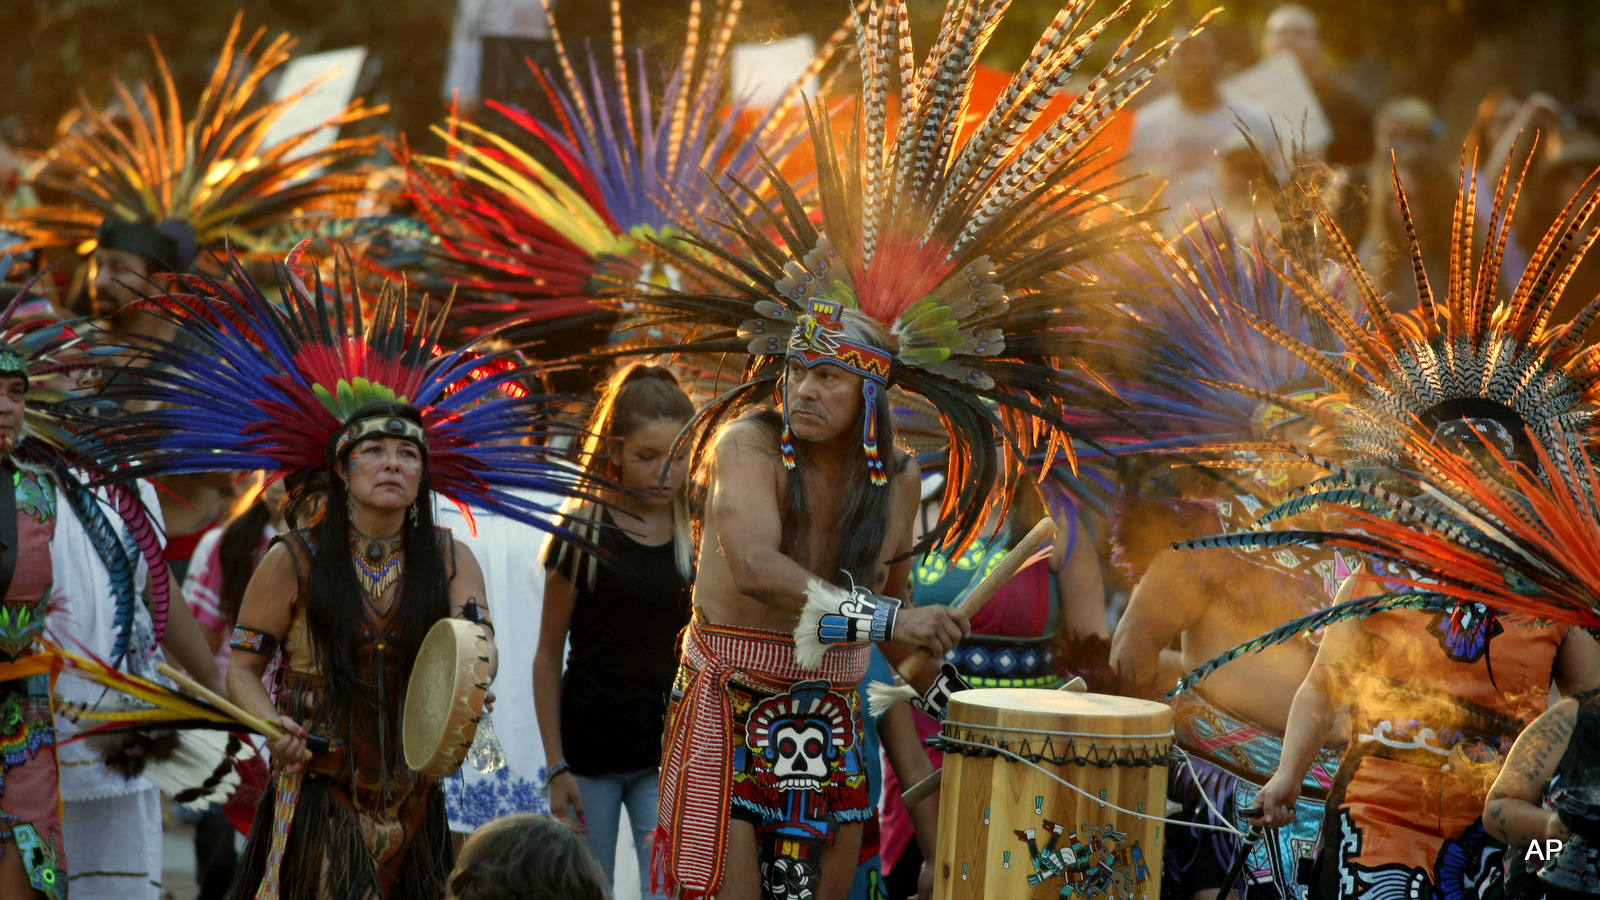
column 922, row 789
column 270, row 730
column 881, row 696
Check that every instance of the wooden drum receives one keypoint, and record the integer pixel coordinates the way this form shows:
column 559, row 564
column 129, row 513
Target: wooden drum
column 444, row 698
column 1009, row 831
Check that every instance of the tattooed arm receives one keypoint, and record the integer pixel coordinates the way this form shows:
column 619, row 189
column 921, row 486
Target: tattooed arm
column 1512, row 813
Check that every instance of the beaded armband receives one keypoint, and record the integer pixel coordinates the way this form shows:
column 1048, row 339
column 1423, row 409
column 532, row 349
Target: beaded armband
column 864, row 616
column 245, row 638
column 477, row 613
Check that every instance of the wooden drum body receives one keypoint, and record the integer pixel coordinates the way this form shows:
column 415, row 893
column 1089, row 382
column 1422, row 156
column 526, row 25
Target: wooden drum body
column 1008, row 831
column 444, row 698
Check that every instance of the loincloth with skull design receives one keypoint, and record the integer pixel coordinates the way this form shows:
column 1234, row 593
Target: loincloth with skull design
column 754, row 736
column 799, row 769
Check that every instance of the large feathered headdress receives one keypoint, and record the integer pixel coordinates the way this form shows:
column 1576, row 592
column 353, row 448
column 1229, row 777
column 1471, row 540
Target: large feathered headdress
column 1448, row 531
column 1464, row 359
column 36, row 350
column 521, row 241
column 1215, row 284
column 167, row 186
column 264, row 387
column 966, row 254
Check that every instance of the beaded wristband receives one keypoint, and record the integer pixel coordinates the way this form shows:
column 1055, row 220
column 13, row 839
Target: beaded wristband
column 865, row 616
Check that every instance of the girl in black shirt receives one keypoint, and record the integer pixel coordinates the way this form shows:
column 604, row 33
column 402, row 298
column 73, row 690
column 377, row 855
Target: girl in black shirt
column 602, row 722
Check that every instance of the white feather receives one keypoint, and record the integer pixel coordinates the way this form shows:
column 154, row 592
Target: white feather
column 821, row 599
column 201, row 754
column 881, row 696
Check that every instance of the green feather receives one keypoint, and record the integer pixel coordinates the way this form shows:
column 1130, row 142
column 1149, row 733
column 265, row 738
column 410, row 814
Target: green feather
column 328, row 402
column 842, row 293
column 929, row 333
column 349, row 396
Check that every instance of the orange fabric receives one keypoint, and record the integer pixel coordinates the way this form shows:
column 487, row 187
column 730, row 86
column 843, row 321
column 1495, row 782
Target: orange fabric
column 1407, row 812
column 1406, row 808
column 1403, row 649
column 988, row 83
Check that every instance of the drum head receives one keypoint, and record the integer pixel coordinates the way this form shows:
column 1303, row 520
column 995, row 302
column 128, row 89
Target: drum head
column 1062, row 703
column 997, row 709
column 431, row 693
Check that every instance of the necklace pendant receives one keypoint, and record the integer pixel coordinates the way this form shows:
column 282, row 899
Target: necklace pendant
column 374, row 553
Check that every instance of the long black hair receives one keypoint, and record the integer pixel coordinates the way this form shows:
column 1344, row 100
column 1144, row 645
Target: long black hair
column 863, row 523
column 336, row 603
column 238, row 553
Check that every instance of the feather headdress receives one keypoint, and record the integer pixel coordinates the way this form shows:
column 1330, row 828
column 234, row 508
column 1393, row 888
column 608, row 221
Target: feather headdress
column 191, row 183
column 1452, row 531
column 522, row 241
column 1464, row 358
column 264, row 387
column 1215, row 285
column 38, row 350
column 965, row 254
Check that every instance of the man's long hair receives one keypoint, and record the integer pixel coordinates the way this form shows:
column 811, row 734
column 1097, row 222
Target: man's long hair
column 863, row 523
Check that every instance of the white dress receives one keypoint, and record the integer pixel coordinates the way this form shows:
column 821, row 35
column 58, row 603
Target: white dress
column 111, row 825
column 511, row 555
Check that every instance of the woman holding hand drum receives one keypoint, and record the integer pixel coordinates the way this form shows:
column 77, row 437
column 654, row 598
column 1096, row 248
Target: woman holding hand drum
column 365, row 421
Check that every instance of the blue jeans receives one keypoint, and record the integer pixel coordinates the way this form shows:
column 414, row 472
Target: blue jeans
column 603, row 798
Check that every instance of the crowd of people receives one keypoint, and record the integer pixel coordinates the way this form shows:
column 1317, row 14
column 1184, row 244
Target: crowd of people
column 696, row 419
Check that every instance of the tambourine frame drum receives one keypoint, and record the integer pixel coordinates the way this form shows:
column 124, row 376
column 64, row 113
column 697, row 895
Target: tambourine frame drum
column 1008, row 831
column 444, row 698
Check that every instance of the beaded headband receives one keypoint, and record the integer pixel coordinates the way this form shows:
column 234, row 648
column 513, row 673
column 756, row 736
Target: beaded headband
column 819, row 338
column 379, row 426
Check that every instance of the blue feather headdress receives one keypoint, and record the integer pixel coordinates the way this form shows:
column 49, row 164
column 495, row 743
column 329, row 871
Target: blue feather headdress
column 1223, row 300
column 257, row 386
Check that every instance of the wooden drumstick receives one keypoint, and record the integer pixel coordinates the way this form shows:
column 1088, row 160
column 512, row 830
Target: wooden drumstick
column 881, row 696
column 270, row 730
column 922, row 789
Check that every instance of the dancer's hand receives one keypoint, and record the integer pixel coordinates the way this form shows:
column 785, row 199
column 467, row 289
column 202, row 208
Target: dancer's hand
column 925, row 881
column 488, row 701
column 1276, row 800
column 937, row 628
column 564, row 793
column 289, row 751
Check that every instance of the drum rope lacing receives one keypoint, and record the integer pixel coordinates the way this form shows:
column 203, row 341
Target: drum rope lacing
column 990, row 750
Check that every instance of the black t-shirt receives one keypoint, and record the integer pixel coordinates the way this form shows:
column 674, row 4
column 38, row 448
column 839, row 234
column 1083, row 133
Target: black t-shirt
column 623, row 654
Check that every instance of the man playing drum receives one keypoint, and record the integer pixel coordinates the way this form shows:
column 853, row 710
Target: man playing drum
column 929, row 274
column 768, row 532
column 1210, row 601
column 946, row 265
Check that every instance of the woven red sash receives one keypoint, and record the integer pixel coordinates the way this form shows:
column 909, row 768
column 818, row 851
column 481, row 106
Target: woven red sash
column 697, row 754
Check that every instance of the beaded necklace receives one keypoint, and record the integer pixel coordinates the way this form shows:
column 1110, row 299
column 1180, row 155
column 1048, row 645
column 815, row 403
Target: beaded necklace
column 377, row 562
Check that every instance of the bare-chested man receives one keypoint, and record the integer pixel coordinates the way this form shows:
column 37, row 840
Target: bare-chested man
column 762, row 776
column 1232, row 725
